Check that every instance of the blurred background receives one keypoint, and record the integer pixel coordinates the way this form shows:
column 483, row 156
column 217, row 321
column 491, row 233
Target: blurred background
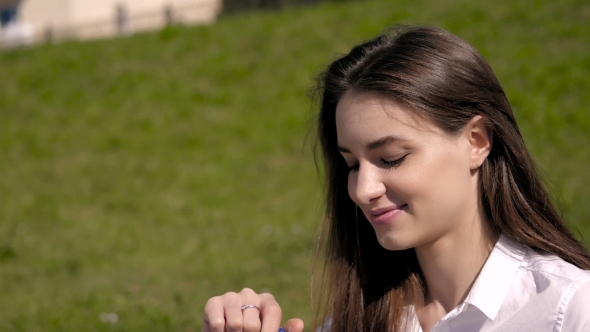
column 156, row 153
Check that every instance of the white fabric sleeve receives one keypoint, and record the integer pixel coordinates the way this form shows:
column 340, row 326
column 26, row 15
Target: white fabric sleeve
column 577, row 312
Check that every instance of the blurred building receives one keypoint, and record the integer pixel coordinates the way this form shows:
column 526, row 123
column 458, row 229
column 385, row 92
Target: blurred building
column 82, row 19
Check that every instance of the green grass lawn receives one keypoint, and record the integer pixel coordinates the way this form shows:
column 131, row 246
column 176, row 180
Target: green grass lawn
column 141, row 176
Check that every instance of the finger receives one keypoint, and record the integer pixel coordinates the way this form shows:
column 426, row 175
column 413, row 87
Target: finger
column 252, row 312
column 213, row 319
column 271, row 313
column 234, row 321
column 252, row 319
column 294, row 325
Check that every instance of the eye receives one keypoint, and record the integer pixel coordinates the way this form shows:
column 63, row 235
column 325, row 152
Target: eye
column 394, row 163
column 353, row 168
column 351, row 163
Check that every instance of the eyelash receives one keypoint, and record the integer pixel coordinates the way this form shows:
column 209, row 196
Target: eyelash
column 389, row 164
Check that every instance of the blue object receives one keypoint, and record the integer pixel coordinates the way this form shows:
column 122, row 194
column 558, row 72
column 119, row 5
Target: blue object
column 281, row 329
column 8, row 15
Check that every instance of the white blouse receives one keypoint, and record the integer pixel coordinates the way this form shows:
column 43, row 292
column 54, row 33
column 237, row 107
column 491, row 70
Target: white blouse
column 522, row 290
column 519, row 290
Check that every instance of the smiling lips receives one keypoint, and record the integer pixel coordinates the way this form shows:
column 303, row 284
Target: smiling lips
column 385, row 215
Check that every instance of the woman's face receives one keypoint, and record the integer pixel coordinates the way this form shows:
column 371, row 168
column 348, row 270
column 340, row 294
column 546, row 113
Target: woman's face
column 415, row 183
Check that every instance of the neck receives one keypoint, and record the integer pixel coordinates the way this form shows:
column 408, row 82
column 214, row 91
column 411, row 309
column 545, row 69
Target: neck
column 451, row 264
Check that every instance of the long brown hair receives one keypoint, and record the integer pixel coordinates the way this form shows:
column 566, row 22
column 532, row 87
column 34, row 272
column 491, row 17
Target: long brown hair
column 441, row 77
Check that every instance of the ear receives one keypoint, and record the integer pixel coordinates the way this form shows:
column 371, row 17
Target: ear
column 480, row 136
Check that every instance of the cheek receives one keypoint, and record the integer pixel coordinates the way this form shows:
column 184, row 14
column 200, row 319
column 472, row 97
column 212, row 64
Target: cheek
column 439, row 184
column 450, row 185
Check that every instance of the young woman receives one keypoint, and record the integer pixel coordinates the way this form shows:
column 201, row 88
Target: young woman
column 436, row 218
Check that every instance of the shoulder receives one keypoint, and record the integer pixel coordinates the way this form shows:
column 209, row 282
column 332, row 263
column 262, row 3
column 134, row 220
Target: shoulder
column 575, row 315
column 551, row 266
column 569, row 284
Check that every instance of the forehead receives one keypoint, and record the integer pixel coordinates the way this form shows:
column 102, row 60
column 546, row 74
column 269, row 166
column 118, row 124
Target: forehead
column 364, row 116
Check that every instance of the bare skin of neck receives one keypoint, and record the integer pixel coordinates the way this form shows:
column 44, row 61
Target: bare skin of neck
column 451, row 265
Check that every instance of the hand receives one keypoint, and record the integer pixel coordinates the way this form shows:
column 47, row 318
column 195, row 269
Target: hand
column 223, row 313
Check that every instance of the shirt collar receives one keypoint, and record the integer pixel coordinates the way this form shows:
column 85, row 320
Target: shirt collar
column 496, row 276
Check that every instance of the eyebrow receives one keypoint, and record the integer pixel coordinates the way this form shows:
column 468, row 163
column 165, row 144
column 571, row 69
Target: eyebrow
column 375, row 144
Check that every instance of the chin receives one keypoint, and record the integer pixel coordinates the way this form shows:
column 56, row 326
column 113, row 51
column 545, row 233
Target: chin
column 393, row 243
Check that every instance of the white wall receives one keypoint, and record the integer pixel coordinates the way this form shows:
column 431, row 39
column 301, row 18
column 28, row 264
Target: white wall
column 96, row 18
column 44, row 12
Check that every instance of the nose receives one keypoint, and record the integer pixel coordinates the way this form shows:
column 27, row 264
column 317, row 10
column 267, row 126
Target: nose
column 365, row 185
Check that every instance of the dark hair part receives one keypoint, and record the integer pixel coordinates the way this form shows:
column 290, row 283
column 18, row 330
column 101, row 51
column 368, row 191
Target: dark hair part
column 441, row 77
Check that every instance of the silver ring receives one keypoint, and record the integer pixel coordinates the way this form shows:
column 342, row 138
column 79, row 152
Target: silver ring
column 248, row 306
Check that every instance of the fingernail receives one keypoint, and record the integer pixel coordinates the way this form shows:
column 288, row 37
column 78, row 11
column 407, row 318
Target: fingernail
column 281, row 329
